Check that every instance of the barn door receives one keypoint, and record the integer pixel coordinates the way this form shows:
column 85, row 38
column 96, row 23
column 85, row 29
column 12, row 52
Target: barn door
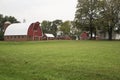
column 36, row 38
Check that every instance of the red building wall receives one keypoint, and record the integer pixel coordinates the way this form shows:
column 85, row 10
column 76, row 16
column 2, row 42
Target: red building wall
column 35, row 32
column 84, row 36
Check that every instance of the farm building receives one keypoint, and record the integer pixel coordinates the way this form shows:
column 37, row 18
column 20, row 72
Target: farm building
column 48, row 36
column 23, row 32
column 84, row 36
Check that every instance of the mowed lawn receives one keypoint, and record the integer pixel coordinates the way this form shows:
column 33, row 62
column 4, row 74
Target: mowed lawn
column 60, row 60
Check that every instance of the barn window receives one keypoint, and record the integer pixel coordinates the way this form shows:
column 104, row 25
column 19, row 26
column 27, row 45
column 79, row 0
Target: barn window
column 22, row 36
column 35, row 28
column 18, row 36
column 7, row 37
column 14, row 36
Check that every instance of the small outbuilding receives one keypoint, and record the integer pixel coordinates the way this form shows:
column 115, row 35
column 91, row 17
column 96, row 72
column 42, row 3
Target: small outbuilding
column 48, row 36
column 23, row 32
column 84, row 36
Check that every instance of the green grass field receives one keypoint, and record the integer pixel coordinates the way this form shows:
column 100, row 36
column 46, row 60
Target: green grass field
column 60, row 60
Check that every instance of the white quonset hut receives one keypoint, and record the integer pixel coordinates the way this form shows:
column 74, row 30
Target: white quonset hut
column 23, row 32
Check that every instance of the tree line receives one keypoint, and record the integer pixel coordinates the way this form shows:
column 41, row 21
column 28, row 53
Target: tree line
column 57, row 25
column 3, row 19
column 94, row 15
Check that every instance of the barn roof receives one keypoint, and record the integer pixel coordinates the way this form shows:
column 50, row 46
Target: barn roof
column 50, row 35
column 17, row 29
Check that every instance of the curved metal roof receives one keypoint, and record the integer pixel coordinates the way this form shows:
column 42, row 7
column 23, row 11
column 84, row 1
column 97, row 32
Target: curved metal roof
column 17, row 29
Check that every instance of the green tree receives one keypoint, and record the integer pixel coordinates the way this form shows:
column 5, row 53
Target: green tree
column 97, row 14
column 110, row 15
column 86, row 14
column 65, row 27
column 50, row 27
column 46, row 26
column 3, row 19
column 54, row 26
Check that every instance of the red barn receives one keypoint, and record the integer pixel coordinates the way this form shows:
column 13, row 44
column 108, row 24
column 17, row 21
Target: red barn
column 84, row 36
column 23, row 32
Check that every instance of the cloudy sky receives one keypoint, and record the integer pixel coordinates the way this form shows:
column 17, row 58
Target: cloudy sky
column 39, row 10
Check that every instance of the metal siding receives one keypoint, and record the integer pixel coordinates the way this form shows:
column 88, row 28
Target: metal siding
column 17, row 29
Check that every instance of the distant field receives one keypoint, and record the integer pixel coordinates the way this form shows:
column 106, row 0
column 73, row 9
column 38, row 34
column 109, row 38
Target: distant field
column 60, row 60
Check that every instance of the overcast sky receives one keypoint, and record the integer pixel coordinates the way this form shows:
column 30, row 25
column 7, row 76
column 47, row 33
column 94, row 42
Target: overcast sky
column 39, row 10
